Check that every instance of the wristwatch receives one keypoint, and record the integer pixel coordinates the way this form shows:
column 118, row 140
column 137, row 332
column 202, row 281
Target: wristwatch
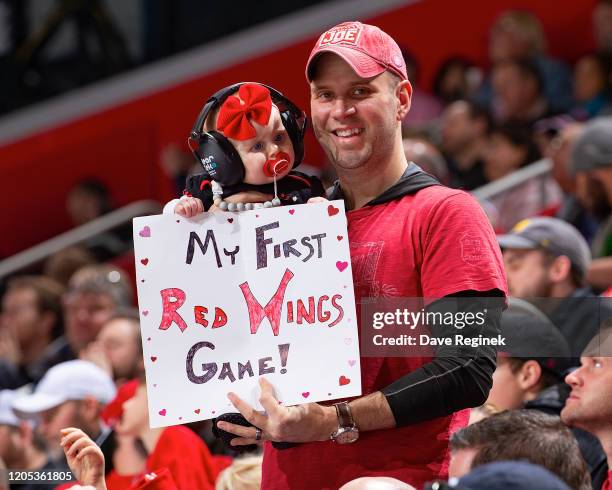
column 347, row 429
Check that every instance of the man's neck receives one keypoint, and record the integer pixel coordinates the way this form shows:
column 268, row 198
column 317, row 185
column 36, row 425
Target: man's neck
column 361, row 185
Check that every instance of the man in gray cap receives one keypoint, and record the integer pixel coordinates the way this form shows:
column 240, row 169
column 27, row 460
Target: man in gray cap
column 546, row 261
column 592, row 164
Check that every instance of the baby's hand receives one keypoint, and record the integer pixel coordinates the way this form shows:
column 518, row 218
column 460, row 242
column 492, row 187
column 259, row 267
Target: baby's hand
column 84, row 457
column 189, row 207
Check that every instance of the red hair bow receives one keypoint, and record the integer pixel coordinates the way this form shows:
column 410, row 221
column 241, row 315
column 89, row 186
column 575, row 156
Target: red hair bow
column 254, row 104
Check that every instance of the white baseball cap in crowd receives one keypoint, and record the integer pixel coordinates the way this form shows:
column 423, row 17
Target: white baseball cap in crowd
column 72, row 380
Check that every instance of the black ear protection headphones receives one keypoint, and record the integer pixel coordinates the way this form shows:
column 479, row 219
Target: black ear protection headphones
column 219, row 157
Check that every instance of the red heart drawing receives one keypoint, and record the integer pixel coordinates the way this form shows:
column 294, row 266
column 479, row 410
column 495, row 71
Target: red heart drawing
column 162, row 412
column 145, row 232
column 332, row 211
column 291, row 211
column 343, row 380
column 144, row 261
column 230, row 220
column 306, row 394
column 352, row 362
column 341, row 265
column 145, row 312
column 197, row 410
column 339, row 237
column 153, row 358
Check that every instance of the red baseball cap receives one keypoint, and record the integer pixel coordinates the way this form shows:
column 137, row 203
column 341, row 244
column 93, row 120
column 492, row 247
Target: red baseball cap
column 368, row 49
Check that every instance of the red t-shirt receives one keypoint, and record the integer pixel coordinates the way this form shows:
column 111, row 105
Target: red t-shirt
column 429, row 244
column 608, row 483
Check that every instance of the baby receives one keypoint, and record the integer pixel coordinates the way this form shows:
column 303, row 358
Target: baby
column 254, row 138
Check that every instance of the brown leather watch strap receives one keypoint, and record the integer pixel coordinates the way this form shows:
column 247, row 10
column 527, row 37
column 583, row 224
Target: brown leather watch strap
column 345, row 418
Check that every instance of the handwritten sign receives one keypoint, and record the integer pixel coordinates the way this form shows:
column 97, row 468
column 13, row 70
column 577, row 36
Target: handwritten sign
column 226, row 298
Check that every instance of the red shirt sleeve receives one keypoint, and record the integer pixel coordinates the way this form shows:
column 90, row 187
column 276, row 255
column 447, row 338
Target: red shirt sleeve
column 460, row 250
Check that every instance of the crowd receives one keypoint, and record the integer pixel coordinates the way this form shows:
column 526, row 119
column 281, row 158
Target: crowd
column 71, row 364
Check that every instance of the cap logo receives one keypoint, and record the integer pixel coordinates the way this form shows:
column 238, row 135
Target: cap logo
column 341, row 34
column 521, row 225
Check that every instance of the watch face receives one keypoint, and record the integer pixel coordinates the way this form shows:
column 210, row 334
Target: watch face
column 347, row 436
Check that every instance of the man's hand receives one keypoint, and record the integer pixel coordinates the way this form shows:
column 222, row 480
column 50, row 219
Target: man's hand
column 302, row 423
column 84, row 458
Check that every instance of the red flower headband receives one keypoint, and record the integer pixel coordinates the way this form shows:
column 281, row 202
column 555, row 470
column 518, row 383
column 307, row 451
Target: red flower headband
column 254, row 104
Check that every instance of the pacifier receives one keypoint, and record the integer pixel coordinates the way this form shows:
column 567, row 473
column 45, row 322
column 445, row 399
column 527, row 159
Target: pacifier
column 276, row 166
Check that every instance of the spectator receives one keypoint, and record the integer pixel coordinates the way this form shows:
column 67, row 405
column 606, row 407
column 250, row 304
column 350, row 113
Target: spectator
column 426, row 156
column 118, row 347
column 72, row 394
column 88, row 200
column 511, row 147
column 588, row 406
column 464, row 130
column 602, row 25
column 592, row 86
column 94, row 293
column 242, row 474
column 571, row 209
column 520, row 435
column 456, row 79
column 20, row 448
column 505, row 475
column 546, row 261
column 31, row 320
column 176, row 448
column 592, row 164
column 518, row 35
column 517, row 93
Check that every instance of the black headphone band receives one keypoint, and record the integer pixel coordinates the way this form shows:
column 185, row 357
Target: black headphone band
column 216, row 99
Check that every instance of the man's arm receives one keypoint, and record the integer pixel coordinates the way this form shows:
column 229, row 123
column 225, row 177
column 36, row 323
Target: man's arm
column 600, row 272
column 456, row 378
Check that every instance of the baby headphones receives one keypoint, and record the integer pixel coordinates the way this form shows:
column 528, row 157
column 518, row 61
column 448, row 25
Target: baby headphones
column 219, row 157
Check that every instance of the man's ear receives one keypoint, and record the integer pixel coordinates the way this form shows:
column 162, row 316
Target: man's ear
column 560, row 269
column 403, row 92
column 529, row 375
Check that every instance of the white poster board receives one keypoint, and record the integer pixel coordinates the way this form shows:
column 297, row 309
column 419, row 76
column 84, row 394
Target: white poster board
column 227, row 297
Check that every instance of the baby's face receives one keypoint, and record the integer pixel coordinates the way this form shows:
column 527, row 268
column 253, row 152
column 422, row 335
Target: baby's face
column 269, row 152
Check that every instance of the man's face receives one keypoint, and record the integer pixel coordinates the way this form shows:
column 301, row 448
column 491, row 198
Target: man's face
column 20, row 315
column 588, row 405
column 506, row 392
column 120, row 344
column 513, row 92
column 527, row 273
column 271, row 142
column 355, row 119
column 461, row 462
column 85, row 313
column 51, row 421
column 458, row 129
column 591, row 193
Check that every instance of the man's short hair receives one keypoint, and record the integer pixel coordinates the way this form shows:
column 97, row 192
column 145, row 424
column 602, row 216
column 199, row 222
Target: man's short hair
column 528, row 435
column 103, row 279
column 48, row 294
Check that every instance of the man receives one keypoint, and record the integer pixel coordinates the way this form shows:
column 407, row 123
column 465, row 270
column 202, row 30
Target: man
column 31, row 319
column 464, row 130
column 588, row 406
column 546, row 261
column 526, row 435
column 71, row 394
column 409, row 238
column 118, row 347
column 94, row 293
column 517, row 93
column 20, row 448
column 592, row 164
